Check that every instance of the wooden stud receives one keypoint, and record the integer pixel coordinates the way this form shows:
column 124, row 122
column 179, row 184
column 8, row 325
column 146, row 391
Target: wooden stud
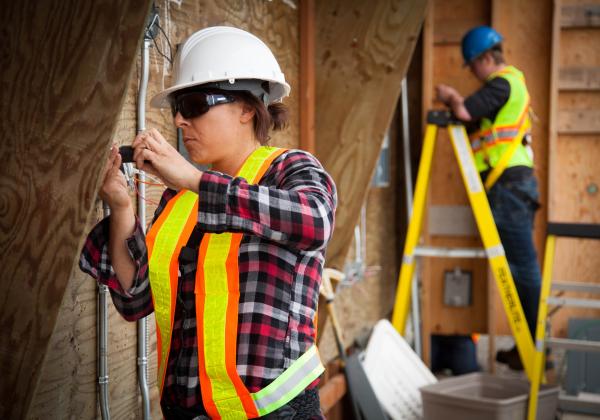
column 579, row 78
column 580, row 16
column 553, row 111
column 578, row 121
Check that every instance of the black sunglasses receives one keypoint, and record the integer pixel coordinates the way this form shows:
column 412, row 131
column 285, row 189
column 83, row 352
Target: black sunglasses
column 194, row 104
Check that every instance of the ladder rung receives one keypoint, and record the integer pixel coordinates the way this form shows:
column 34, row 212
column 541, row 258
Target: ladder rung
column 577, row 287
column 574, row 230
column 570, row 344
column 437, row 251
column 580, row 303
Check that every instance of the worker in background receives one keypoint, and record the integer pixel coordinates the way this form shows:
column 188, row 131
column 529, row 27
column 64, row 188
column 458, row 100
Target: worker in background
column 231, row 266
column 500, row 111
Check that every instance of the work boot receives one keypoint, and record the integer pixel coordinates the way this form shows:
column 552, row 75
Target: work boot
column 502, row 356
column 513, row 360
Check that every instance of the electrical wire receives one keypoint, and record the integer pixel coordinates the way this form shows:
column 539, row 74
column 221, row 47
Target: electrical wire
column 137, row 191
column 158, row 49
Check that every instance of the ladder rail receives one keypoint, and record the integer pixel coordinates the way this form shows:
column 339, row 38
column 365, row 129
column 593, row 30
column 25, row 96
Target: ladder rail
column 487, row 229
column 555, row 230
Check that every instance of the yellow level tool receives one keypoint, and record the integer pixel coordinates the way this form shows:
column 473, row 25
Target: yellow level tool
column 555, row 230
column 485, row 223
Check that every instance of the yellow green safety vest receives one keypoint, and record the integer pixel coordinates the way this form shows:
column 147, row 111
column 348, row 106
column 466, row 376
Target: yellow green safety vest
column 217, row 293
column 495, row 137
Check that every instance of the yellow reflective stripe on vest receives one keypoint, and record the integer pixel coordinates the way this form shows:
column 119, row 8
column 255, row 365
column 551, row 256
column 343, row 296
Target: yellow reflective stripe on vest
column 290, row 383
column 162, row 261
column 217, row 299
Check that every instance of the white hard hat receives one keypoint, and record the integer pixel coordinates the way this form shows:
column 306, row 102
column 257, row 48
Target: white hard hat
column 235, row 58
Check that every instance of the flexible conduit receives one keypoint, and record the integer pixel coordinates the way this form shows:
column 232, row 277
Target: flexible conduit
column 142, row 324
column 102, row 333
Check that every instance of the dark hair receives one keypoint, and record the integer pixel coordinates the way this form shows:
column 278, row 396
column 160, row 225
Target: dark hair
column 274, row 116
column 496, row 52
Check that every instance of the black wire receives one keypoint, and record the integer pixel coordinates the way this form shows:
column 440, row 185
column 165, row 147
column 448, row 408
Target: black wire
column 161, row 53
column 170, row 58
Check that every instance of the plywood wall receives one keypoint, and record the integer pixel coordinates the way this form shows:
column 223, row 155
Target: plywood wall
column 64, row 69
column 68, row 376
column 363, row 52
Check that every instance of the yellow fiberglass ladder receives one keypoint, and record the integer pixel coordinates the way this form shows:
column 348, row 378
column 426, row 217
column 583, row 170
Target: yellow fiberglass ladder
column 487, row 229
column 554, row 231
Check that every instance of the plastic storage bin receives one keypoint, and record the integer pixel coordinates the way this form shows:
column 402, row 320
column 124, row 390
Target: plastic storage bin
column 483, row 396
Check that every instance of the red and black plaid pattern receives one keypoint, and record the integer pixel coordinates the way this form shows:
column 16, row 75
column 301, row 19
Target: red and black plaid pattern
column 287, row 221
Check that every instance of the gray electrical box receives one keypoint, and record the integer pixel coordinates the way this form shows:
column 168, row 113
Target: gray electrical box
column 457, row 287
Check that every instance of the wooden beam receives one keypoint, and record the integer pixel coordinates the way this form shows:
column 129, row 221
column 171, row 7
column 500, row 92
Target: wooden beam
column 579, row 78
column 363, row 52
column 65, row 73
column 332, row 392
column 307, row 75
column 553, row 106
column 580, row 16
column 578, row 121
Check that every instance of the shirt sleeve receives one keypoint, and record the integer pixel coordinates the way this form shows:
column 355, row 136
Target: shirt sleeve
column 94, row 260
column 487, row 101
column 294, row 203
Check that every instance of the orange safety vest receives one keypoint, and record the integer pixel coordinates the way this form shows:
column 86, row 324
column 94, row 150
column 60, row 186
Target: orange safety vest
column 224, row 395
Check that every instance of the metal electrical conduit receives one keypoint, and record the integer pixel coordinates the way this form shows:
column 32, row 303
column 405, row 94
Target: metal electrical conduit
column 102, row 332
column 103, row 293
column 142, row 324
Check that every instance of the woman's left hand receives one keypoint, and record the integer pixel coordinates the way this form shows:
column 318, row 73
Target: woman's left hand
column 153, row 154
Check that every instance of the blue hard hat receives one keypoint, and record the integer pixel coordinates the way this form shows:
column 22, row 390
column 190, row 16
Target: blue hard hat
column 478, row 40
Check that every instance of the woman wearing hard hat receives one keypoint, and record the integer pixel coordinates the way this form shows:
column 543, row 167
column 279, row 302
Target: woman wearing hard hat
column 231, row 265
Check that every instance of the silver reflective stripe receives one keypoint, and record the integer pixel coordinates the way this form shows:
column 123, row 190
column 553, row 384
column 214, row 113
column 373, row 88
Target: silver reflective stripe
column 495, row 251
column 467, row 163
column 407, row 259
column 501, row 135
column 539, row 345
column 290, row 383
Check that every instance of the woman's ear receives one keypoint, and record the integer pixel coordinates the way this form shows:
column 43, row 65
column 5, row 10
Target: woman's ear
column 247, row 114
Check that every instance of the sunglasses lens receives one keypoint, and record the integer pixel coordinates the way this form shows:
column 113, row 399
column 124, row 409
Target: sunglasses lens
column 190, row 105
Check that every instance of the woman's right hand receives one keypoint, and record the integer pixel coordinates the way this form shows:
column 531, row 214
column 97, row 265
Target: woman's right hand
column 114, row 187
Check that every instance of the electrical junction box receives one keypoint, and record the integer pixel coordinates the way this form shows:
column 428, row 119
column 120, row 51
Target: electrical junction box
column 458, row 288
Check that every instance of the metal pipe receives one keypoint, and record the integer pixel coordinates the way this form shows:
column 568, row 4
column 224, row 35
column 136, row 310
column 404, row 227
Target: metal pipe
column 102, row 337
column 415, row 304
column 142, row 324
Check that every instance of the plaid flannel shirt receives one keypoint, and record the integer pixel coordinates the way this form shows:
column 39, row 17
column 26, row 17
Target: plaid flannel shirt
column 287, row 220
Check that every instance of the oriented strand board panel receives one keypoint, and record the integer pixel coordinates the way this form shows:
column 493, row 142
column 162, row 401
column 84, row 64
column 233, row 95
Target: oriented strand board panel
column 68, row 383
column 363, row 51
column 65, row 69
